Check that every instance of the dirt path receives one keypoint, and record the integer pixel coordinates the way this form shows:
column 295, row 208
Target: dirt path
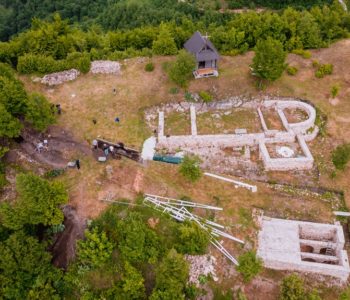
column 63, row 249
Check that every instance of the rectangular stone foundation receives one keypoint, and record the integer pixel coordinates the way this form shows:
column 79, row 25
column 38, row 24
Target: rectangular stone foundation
column 303, row 246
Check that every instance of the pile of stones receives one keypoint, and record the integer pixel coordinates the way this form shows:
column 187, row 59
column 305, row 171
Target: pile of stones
column 105, row 67
column 60, row 77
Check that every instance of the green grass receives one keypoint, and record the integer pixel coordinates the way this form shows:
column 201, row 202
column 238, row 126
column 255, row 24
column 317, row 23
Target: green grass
column 177, row 123
column 217, row 122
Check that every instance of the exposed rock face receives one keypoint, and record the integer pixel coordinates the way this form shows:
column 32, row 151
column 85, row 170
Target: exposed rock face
column 60, row 77
column 105, row 67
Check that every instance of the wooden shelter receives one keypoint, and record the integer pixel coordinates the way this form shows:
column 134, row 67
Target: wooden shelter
column 205, row 54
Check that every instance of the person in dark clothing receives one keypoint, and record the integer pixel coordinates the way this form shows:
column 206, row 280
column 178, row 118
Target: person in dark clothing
column 77, row 163
column 58, row 107
column 94, row 121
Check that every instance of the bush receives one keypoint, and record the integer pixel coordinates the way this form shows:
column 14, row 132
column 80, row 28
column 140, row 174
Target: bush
column 323, row 70
column 39, row 112
column 190, row 168
column 345, row 295
column 149, row 67
column 188, row 96
column 174, row 90
column 292, row 70
column 96, row 249
column 341, row 156
column 206, row 97
column 192, row 239
column 79, row 61
column 292, row 288
column 303, row 53
column 181, row 70
column 335, row 90
column 315, row 63
column 249, row 265
column 32, row 63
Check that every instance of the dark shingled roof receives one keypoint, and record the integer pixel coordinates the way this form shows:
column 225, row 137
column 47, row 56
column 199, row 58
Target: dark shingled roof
column 196, row 45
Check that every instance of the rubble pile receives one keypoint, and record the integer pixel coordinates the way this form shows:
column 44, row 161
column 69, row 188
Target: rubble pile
column 60, row 77
column 105, row 67
column 201, row 265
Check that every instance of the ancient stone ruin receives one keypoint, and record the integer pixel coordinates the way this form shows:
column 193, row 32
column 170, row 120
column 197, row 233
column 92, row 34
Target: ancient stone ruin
column 281, row 150
column 303, row 246
column 105, row 67
column 60, row 77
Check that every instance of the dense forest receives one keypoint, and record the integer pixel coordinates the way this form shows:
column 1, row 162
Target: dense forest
column 16, row 15
column 56, row 45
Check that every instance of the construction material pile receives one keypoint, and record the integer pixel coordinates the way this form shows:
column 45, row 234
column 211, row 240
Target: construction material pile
column 105, row 67
column 177, row 209
column 60, row 77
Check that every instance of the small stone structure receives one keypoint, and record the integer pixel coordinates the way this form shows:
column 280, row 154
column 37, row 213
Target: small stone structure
column 60, row 77
column 303, row 246
column 105, row 67
column 293, row 132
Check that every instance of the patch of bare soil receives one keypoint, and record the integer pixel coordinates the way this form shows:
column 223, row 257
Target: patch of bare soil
column 61, row 147
column 261, row 289
column 63, row 248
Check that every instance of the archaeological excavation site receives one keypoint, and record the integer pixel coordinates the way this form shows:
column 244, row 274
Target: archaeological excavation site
column 196, row 157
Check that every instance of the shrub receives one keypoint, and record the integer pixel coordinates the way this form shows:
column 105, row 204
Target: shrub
column 174, row 90
column 321, row 121
column 341, row 156
column 292, row 288
column 149, row 67
column 323, row 70
column 190, row 168
column 181, row 70
column 54, row 173
column 96, row 249
column 345, row 295
column 335, row 90
column 315, row 63
column 39, row 112
column 80, row 61
column 188, row 96
column 192, row 239
column 292, row 70
column 206, row 97
column 303, row 53
column 249, row 265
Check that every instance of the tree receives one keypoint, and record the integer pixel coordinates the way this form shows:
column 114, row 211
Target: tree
column 249, row 265
column 13, row 96
column 26, row 271
column 132, row 283
column 164, row 44
column 9, row 126
column 39, row 112
column 96, row 249
column 292, row 288
column 171, row 278
column 269, row 59
column 191, row 239
column 181, row 70
column 37, row 203
column 137, row 242
column 190, row 168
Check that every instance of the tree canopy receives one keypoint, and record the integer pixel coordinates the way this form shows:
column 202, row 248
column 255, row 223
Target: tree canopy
column 269, row 59
column 26, row 271
column 38, row 203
